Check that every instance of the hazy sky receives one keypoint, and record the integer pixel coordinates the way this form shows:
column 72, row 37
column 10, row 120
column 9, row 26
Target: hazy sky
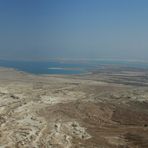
column 42, row 29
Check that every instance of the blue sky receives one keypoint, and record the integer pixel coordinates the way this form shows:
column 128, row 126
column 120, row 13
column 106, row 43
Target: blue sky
column 42, row 29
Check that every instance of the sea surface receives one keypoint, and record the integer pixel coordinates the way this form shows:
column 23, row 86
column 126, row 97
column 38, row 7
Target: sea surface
column 66, row 67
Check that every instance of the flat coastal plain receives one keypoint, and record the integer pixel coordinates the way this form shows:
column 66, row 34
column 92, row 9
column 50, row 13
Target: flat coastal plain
column 107, row 108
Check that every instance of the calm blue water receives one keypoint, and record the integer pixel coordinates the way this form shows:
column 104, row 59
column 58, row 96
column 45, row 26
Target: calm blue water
column 44, row 67
column 75, row 67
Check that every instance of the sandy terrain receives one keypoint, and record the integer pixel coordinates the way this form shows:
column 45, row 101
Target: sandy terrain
column 105, row 109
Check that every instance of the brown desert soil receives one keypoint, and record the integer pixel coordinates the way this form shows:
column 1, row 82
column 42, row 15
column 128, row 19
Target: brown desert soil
column 85, row 111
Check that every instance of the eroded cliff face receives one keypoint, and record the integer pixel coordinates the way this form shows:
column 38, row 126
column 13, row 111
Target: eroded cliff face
column 71, row 112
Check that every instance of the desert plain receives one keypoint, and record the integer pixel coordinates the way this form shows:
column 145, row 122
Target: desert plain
column 107, row 108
